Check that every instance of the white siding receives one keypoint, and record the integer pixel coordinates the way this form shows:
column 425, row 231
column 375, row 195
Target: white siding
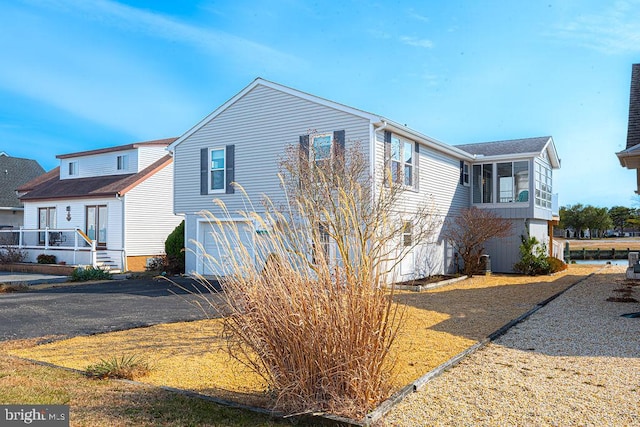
column 99, row 164
column 149, row 214
column 261, row 125
column 147, row 155
column 78, row 216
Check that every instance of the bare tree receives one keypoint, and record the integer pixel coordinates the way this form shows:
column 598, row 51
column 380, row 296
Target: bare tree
column 470, row 230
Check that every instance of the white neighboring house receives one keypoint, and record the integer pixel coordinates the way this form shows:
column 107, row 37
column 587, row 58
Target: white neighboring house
column 120, row 197
column 243, row 140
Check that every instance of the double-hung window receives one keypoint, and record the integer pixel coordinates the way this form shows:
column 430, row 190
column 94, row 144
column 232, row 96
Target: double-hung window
column 402, row 160
column 217, row 170
column 407, row 233
column 321, row 148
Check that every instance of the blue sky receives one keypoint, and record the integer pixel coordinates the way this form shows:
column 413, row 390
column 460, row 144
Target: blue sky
column 78, row 74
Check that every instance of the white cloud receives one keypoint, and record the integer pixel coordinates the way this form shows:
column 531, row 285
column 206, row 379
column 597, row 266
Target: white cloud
column 165, row 27
column 416, row 42
column 613, row 31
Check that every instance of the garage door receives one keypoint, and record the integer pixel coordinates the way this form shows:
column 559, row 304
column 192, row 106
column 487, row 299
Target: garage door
column 218, row 251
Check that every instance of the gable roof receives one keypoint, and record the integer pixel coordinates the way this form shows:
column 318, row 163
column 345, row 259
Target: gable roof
column 52, row 187
column 515, row 147
column 374, row 119
column 14, row 172
column 158, row 142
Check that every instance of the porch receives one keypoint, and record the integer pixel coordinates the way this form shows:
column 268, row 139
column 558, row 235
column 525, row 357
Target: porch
column 69, row 246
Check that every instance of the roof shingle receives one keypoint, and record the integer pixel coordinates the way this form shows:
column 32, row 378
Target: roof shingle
column 508, row 147
column 52, row 187
column 14, row 172
column 633, row 130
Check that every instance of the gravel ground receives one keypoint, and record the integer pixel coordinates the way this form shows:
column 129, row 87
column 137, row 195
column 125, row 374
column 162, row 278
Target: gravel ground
column 574, row 362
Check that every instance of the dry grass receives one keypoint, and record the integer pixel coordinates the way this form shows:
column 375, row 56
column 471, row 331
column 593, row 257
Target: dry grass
column 108, row 403
column 439, row 324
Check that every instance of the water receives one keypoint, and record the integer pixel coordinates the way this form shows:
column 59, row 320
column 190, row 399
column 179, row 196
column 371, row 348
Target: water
column 602, row 261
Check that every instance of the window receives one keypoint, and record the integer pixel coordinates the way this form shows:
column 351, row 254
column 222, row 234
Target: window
column 464, row 173
column 321, row 147
column 402, row 160
column 217, row 170
column 543, row 181
column 513, row 182
column 46, row 219
column 483, row 183
column 123, row 162
column 73, row 168
column 324, row 243
column 407, row 234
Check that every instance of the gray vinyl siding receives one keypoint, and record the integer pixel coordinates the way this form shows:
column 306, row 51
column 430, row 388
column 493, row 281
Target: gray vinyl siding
column 261, row 125
column 505, row 252
column 439, row 188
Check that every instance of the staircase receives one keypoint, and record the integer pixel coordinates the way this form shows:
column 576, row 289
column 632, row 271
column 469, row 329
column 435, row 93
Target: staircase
column 104, row 261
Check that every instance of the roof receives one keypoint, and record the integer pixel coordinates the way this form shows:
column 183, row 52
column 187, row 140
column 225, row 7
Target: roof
column 502, row 148
column 14, row 172
column 515, row 148
column 374, row 119
column 158, row 142
column 633, row 130
column 52, row 187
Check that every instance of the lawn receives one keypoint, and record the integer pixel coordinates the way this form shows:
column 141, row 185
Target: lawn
column 439, row 324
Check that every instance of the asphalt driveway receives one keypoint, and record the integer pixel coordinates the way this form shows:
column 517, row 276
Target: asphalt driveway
column 98, row 307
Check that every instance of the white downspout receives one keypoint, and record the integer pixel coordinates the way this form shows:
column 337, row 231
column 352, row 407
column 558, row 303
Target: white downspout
column 372, row 152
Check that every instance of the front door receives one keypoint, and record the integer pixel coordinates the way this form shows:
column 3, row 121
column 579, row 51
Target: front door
column 96, row 227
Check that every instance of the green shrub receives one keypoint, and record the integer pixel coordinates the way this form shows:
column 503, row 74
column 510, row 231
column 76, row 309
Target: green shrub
column 125, row 367
column 82, row 274
column 46, row 259
column 556, row 264
column 174, row 248
column 533, row 257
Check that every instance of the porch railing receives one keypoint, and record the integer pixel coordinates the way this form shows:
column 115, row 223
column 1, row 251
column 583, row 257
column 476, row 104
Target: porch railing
column 71, row 244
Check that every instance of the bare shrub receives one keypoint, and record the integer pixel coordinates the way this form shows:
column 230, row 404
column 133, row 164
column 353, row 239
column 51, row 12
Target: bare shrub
column 9, row 251
column 314, row 318
column 470, row 230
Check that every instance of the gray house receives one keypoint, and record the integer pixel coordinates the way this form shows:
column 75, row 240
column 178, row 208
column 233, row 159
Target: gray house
column 243, row 140
column 14, row 172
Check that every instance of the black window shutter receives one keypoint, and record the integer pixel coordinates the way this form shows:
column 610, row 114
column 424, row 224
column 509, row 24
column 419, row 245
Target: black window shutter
column 304, row 154
column 387, row 156
column 204, row 171
column 338, row 150
column 416, row 166
column 461, row 172
column 230, row 159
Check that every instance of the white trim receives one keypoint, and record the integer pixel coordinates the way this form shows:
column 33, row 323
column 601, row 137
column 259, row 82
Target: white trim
column 199, row 229
column 209, row 170
column 373, row 118
column 259, row 81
